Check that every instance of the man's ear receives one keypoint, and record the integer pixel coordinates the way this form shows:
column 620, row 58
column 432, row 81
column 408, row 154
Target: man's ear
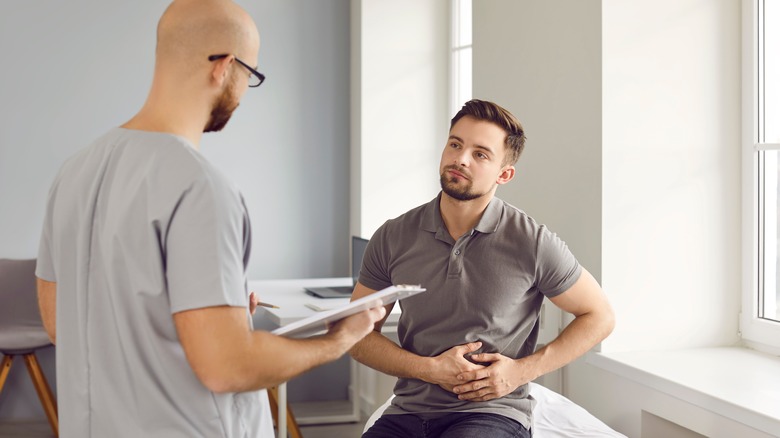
column 220, row 70
column 506, row 175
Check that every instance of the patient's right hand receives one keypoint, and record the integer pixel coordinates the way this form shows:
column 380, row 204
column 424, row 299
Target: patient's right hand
column 448, row 365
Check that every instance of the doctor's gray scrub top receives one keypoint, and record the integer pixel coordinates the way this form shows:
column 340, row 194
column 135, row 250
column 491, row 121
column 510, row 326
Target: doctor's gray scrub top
column 140, row 226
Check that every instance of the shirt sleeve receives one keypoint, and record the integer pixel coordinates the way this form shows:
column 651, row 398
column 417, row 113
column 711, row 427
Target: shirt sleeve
column 373, row 271
column 206, row 247
column 44, row 266
column 556, row 268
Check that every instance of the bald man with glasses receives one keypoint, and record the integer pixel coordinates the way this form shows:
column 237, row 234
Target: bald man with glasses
column 143, row 257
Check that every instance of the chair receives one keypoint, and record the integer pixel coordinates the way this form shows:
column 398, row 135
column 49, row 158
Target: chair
column 292, row 426
column 21, row 329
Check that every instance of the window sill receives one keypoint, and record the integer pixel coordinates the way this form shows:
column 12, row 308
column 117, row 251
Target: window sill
column 736, row 383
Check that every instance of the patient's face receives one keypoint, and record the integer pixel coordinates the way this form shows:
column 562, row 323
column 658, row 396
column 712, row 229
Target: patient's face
column 472, row 160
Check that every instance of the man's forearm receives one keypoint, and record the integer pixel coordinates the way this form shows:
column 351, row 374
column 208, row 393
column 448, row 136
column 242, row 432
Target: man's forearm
column 228, row 357
column 384, row 355
column 594, row 321
column 266, row 360
column 284, row 358
column 582, row 334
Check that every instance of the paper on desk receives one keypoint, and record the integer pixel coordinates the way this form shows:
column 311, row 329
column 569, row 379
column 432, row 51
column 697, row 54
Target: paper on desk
column 321, row 307
column 318, row 322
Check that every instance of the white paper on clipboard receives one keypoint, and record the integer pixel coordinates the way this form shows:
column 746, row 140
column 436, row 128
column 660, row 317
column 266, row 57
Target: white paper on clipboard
column 318, row 322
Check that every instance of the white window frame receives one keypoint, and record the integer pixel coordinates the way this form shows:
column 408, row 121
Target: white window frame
column 456, row 49
column 757, row 332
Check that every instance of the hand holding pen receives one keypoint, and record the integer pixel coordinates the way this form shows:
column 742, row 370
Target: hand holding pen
column 254, row 302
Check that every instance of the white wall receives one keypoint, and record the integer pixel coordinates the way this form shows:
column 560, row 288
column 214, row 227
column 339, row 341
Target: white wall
column 399, row 115
column 671, row 195
column 72, row 70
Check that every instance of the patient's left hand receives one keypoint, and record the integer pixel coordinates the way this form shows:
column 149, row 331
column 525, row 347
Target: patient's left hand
column 501, row 377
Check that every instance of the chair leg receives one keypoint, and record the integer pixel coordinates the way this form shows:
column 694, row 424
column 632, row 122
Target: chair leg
column 272, row 397
column 292, row 426
column 44, row 392
column 5, row 368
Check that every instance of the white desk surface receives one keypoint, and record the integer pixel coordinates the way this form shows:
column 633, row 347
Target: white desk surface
column 291, row 299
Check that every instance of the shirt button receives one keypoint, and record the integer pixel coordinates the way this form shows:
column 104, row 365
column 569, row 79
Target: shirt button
column 457, row 252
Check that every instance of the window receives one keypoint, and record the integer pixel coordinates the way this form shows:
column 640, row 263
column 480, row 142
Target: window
column 760, row 320
column 768, row 133
column 460, row 55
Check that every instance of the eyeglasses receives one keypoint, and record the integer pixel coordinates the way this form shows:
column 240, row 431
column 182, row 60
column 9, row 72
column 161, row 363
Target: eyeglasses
column 255, row 79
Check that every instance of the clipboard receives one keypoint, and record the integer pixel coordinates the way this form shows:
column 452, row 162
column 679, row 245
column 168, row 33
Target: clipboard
column 318, row 323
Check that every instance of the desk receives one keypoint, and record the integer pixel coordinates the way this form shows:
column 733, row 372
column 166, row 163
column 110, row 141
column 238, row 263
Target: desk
column 291, row 299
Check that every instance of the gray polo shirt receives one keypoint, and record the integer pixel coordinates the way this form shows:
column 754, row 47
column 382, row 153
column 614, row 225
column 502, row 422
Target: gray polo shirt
column 487, row 286
column 140, row 226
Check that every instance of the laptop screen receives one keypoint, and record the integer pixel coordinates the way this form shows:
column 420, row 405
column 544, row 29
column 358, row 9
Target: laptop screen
column 358, row 248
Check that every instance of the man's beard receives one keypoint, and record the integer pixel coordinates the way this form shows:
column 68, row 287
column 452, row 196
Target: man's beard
column 448, row 186
column 221, row 112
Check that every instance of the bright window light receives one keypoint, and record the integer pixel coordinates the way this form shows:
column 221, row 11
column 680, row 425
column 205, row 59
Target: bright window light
column 767, row 146
column 460, row 58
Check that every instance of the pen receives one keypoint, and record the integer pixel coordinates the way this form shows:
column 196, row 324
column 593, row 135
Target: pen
column 259, row 303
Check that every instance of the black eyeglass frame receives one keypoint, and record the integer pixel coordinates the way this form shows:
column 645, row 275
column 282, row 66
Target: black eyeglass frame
column 256, row 73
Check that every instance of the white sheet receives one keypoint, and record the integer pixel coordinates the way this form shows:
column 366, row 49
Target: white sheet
column 555, row 416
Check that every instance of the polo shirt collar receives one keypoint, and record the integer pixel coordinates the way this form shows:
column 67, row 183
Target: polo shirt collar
column 488, row 223
column 490, row 219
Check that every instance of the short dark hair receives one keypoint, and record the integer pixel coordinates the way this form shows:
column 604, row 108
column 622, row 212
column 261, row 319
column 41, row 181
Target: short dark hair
column 491, row 112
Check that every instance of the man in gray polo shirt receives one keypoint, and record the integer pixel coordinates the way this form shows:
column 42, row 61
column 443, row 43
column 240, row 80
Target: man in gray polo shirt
column 143, row 257
column 467, row 345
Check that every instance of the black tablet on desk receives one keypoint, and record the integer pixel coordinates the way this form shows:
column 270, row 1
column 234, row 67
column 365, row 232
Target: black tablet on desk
column 356, row 257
